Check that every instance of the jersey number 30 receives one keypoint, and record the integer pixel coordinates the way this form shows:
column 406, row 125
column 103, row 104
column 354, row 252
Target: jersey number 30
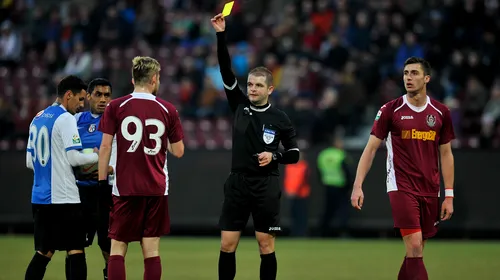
column 136, row 137
column 39, row 142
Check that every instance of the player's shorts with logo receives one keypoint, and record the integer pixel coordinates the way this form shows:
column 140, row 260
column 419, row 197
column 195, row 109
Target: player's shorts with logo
column 96, row 210
column 58, row 227
column 256, row 195
column 411, row 211
column 135, row 217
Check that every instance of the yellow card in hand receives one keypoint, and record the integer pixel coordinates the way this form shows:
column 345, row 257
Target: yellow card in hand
column 227, row 9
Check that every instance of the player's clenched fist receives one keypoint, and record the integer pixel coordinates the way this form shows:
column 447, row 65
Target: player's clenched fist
column 219, row 23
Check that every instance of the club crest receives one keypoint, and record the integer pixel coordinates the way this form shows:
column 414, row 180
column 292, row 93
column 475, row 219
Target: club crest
column 268, row 135
column 91, row 128
column 431, row 120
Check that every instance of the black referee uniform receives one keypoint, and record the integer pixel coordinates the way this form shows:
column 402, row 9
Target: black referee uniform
column 251, row 189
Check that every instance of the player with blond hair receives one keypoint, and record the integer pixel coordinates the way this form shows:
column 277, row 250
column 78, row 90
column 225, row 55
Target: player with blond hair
column 145, row 128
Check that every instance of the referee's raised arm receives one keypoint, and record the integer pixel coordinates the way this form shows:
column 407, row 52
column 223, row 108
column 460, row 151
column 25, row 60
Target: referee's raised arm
column 234, row 94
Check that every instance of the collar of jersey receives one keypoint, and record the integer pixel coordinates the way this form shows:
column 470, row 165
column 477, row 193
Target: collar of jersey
column 262, row 108
column 413, row 107
column 144, row 95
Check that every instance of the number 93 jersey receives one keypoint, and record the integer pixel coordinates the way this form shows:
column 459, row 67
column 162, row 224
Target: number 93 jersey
column 53, row 132
column 143, row 126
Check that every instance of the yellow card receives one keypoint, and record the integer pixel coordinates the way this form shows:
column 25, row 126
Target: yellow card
column 227, row 9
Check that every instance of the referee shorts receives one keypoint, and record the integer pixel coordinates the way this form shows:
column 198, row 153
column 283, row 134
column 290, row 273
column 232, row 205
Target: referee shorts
column 58, row 227
column 256, row 195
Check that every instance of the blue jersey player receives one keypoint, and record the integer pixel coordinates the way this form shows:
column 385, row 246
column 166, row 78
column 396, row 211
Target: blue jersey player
column 95, row 199
column 52, row 152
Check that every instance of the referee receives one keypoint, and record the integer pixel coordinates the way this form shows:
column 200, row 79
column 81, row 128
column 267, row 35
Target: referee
column 253, row 184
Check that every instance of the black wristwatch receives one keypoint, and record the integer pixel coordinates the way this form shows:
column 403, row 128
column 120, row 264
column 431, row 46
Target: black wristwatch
column 276, row 156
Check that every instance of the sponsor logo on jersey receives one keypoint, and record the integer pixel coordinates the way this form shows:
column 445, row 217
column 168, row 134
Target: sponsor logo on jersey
column 419, row 135
column 41, row 114
column 406, row 117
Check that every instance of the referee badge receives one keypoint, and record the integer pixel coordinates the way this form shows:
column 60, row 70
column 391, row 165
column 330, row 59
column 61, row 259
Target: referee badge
column 92, row 128
column 268, row 135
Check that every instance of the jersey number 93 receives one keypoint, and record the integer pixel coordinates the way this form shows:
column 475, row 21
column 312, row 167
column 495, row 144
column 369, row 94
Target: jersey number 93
column 39, row 142
column 136, row 137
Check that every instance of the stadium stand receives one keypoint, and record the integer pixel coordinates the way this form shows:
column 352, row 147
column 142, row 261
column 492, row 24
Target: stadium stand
column 335, row 62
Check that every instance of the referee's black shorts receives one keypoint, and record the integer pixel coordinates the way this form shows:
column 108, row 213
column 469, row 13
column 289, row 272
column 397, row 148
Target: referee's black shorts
column 58, row 227
column 256, row 195
column 96, row 210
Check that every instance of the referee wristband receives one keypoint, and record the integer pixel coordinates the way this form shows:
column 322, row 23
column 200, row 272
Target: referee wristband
column 448, row 193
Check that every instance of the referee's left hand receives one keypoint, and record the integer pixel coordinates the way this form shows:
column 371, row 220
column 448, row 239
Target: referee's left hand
column 265, row 158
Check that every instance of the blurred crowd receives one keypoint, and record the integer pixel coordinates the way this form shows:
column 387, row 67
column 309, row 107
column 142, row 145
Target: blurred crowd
column 335, row 62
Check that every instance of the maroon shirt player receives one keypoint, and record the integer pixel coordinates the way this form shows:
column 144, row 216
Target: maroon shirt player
column 418, row 131
column 145, row 127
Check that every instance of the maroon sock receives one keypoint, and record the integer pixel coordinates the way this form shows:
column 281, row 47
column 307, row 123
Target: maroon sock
column 415, row 269
column 152, row 268
column 116, row 268
column 402, row 271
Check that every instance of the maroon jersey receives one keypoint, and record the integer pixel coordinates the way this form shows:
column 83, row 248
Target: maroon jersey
column 142, row 124
column 413, row 136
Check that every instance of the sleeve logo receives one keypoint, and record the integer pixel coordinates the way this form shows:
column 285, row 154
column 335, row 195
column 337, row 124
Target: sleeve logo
column 378, row 115
column 76, row 139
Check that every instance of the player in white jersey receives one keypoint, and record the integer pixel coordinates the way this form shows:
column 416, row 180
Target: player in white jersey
column 52, row 152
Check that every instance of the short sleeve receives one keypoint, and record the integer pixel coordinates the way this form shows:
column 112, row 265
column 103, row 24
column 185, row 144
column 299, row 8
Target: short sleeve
column 289, row 138
column 66, row 126
column 382, row 123
column 447, row 132
column 108, row 123
column 175, row 132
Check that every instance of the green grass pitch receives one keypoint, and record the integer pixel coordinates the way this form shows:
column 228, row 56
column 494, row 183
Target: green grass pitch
column 314, row 259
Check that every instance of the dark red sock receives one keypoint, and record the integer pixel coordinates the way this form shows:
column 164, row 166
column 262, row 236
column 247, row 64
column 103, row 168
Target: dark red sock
column 402, row 271
column 415, row 269
column 152, row 268
column 116, row 268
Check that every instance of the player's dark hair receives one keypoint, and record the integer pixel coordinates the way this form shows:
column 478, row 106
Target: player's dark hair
column 98, row 82
column 72, row 83
column 426, row 66
column 263, row 72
